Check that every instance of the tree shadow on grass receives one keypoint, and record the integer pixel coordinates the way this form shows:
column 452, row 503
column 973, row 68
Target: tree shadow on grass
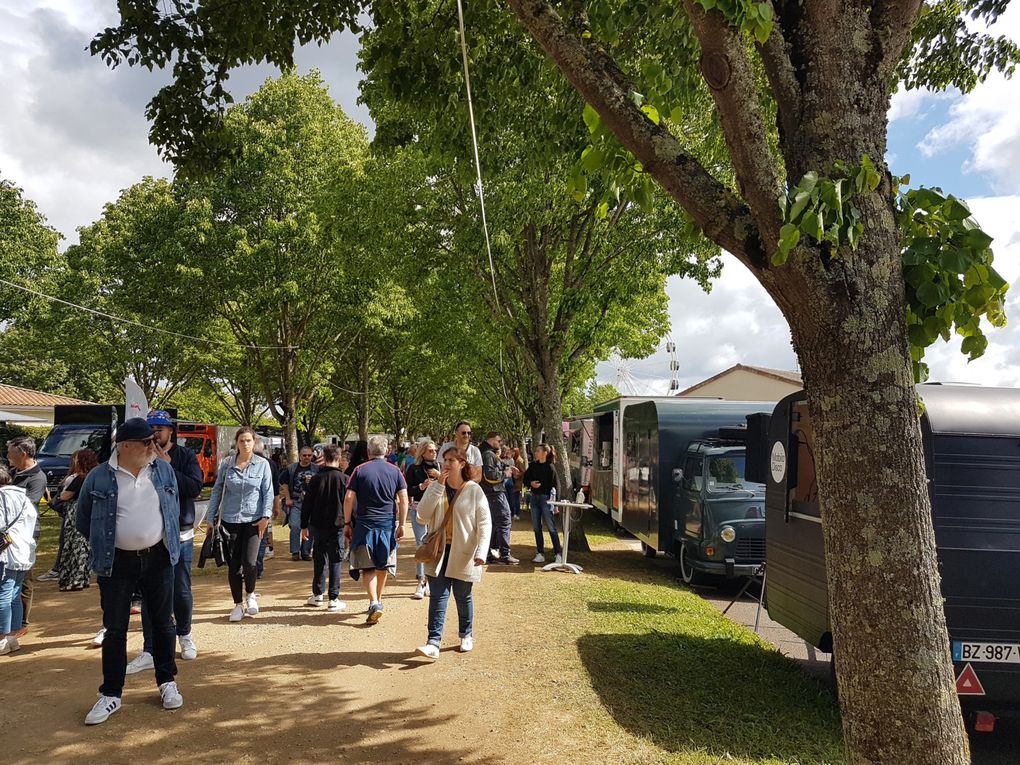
column 630, row 608
column 688, row 693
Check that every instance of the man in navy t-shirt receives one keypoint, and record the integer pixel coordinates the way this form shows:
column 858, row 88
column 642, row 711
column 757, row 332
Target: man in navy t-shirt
column 380, row 491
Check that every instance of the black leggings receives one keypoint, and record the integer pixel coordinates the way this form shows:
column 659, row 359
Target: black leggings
column 244, row 552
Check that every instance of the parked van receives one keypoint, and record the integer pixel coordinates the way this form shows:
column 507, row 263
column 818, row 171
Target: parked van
column 210, row 443
column 971, row 441
column 722, row 514
column 655, row 507
column 581, row 452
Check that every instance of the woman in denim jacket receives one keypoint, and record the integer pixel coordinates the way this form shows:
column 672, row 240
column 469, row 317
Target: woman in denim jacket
column 242, row 499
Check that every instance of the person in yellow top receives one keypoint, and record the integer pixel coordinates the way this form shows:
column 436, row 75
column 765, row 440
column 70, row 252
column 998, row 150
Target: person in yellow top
column 467, row 540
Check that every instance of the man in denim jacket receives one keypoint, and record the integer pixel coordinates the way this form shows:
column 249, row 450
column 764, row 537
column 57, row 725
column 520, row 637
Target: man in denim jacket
column 129, row 510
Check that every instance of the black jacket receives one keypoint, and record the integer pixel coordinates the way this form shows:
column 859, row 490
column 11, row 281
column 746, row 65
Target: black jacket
column 416, row 475
column 493, row 471
column 323, row 505
column 189, row 482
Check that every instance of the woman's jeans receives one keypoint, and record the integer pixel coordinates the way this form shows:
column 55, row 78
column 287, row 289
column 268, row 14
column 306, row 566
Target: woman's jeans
column 420, row 530
column 514, row 498
column 10, row 600
column 542, row 512
column 439, row 589
column 244, row 551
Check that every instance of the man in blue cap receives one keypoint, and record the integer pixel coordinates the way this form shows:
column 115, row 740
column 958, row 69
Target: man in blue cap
column 128, row 509
column 189, row 484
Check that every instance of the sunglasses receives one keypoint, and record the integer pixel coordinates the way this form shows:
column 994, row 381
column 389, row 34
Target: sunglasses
column 463, row 432
column 147, row 441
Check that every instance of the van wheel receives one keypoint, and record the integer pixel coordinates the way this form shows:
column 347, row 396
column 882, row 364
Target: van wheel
column 688, row 574
column 648, row 550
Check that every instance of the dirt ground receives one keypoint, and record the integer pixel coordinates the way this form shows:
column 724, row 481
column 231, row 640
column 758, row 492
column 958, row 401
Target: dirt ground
column 296, row 684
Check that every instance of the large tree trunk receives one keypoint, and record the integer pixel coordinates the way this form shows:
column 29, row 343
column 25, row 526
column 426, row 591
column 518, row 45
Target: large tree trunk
column 888, row 620
column 362, row 404
column 289, row 423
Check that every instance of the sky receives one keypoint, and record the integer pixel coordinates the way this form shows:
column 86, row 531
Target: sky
column 73, row 134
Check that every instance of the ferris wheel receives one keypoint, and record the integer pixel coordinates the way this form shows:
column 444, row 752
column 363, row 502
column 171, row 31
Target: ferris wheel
column 623, row 377
column 674, row 367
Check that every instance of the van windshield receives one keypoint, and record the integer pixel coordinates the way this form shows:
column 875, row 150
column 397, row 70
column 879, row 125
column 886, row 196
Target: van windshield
column 725, row 472
column 65, row 440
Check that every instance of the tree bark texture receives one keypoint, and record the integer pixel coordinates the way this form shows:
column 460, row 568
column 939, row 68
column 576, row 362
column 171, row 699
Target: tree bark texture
column 829, row 67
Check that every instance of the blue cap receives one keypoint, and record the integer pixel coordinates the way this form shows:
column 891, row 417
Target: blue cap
column 160, row 417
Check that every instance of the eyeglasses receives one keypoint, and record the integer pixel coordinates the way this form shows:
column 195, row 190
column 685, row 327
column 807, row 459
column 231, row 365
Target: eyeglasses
column 463, row 432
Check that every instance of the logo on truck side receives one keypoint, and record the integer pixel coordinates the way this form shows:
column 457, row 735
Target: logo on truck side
column 778, row 462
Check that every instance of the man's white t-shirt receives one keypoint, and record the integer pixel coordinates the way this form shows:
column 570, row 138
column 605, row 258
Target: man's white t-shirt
column 474, row 454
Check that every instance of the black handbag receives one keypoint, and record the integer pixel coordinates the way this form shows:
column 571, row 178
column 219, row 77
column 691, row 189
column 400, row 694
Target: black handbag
column 216, row 546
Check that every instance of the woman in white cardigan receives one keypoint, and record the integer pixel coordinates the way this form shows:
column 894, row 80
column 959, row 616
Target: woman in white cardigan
column 467, row 542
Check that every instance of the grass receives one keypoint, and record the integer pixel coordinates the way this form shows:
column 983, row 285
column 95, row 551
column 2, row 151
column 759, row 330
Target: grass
column 684, row 684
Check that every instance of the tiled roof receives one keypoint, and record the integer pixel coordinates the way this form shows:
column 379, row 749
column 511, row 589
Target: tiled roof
column 776, row 374
column 12, row 395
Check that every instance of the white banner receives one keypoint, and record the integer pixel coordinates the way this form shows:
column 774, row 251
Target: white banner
column 135, row 404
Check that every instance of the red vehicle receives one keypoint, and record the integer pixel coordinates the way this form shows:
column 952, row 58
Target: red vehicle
column 210, row 443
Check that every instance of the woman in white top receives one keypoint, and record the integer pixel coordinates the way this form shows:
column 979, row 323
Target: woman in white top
column 18, row 517
column 467, row 541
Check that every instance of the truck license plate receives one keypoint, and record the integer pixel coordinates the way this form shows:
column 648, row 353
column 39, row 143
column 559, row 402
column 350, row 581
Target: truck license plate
column 1000, row 653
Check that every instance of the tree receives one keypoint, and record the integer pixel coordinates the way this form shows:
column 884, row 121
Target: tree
column 865, row 274
column 28, row 247
column 277, row 266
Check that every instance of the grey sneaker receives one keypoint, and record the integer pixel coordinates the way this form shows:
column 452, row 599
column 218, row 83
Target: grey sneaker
column 141, row 662
column 189, row 650
column 172, row 698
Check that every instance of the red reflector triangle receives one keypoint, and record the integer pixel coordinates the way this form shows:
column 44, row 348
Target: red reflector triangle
column 967, row 684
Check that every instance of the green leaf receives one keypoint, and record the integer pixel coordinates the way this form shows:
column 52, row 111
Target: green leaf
column 930, row 294
column 800, row 201
column 591, row 159
column 591, row 118
column 955, row 210
column 651, row 112
column 956, row 261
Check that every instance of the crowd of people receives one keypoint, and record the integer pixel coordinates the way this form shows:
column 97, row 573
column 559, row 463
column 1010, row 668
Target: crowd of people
column 130, row 522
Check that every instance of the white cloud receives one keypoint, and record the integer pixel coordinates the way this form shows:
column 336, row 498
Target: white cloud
column 985, row 122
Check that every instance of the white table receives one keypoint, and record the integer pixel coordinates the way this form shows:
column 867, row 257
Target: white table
column 565, row 508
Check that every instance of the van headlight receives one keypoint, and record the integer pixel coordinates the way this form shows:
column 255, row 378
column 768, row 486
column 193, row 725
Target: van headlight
column 727, row 534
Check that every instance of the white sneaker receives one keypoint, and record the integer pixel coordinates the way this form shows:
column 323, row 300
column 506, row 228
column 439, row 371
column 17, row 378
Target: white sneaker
column 5, row 646
column 538, row 558
column 13, row 643
column 336, row 605
column 50, row 576
column 140, row 662
column 98, row 639
column 429, row 651
column 172, row 698
column 466, row 644
column 419, row 591
column 314, row 600
column 253, row 605
column 237, row 614
column 101, row 712
column 269, row 555
column 189, row 650
column 559, row 558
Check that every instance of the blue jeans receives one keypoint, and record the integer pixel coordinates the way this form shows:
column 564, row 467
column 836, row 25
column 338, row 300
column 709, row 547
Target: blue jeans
column 439, row 589
column 499, row 511
column 327, row 547
column 183, row 601
column 153, row 574
column 541, row 512
column 11, row 611
column 420, row 530
column 294, row 522
column 514, row 498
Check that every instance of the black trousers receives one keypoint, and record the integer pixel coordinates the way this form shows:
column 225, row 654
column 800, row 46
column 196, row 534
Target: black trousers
column 154, row 576
column 327, row 546
column 244, row 553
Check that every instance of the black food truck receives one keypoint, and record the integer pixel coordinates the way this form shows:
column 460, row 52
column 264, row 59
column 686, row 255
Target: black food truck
column 683, row 489
column 971, row 441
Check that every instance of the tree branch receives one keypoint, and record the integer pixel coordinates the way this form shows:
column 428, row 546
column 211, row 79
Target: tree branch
column 731, row 79
column 722, row 216
column 775, row 56
column 893, row 21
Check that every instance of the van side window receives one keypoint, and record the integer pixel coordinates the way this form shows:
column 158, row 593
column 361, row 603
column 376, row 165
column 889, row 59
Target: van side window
column 693, row 472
